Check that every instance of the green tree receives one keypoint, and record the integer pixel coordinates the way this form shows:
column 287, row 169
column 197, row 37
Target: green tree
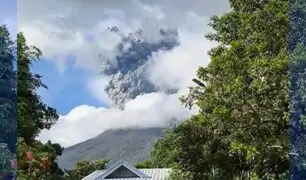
column 165, row 151
column 7, row 158
column 298, row 89
column 38, row 161
column 242, row 127
column 84, row 168
column 8, row 105
column 33, row 114
column 35, row 159
column 178, row 174
column 245, row 104
column 145, row 164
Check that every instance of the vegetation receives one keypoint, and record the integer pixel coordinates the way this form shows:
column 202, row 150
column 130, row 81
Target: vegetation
column 33, row 114
column 83, row 168
column 35, row 159
column 8, row 109
column 8, row 163
column 164, row 151
column 297, row 90
column 242, row 129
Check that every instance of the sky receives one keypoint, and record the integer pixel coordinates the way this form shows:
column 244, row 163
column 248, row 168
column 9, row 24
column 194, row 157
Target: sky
column 8, row 15
column 70, row 35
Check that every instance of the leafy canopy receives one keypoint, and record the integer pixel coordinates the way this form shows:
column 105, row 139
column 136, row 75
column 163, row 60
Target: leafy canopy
column 83, row 168
column 37, row 160
column 242, row 127
column 298, row 89
column 33, row 114
column 8, row 106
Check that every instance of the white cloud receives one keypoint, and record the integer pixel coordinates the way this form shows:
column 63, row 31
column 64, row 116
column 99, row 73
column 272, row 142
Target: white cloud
column 96, row 86
column 70, row 27
column 62, row 27
column 84, row 122
column 177, row 67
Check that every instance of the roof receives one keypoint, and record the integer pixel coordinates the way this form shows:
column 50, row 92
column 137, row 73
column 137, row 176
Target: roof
column 143, row 174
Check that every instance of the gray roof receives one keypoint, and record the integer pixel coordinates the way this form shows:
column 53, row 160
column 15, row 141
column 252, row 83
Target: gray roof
column 144, row 174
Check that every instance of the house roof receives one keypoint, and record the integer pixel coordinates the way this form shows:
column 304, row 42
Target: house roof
column 143, row 174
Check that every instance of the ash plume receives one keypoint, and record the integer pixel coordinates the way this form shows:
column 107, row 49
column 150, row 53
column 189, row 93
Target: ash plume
column 127, row 71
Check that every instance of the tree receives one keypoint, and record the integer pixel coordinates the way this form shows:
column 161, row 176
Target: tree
column 8, row 105
column 242, row 127
column 35, row 159
column 147, row 164
column 38, row 161
column 33, row 114
column 245, row 101
column 7, row 161
column 298, row 90
column 164, row 152
column 84, row 168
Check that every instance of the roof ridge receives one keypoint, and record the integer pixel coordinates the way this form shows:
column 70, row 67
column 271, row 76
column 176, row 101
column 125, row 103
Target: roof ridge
column 120, row 163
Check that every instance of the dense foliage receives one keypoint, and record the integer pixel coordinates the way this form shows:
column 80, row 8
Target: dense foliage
column 33, row 114
column 84, row 168
column 8, row 162
column 297, row 89
column 8, row 106
column 163, row 154
column 242, row 128
column 37, row 160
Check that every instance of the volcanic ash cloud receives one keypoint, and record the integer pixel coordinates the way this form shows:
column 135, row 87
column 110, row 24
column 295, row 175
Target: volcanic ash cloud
column 127, row 72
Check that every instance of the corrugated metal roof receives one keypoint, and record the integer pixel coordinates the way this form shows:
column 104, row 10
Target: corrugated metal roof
column 157, row 173
column 94, row 175
column 154, row 174
column 143, row 174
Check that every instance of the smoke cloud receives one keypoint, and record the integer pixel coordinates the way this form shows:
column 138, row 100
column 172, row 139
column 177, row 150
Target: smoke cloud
column 127, row 72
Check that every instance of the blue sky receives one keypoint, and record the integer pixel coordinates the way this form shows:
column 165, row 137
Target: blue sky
column 72, row 84
column 65, row 90
column 8, row 14
column 8, row 9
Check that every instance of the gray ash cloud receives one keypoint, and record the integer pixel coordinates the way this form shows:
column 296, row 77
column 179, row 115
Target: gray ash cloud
column 127, row 72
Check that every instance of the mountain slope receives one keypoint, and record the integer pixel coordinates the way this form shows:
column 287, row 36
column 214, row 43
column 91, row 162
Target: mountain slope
column 133, row 145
